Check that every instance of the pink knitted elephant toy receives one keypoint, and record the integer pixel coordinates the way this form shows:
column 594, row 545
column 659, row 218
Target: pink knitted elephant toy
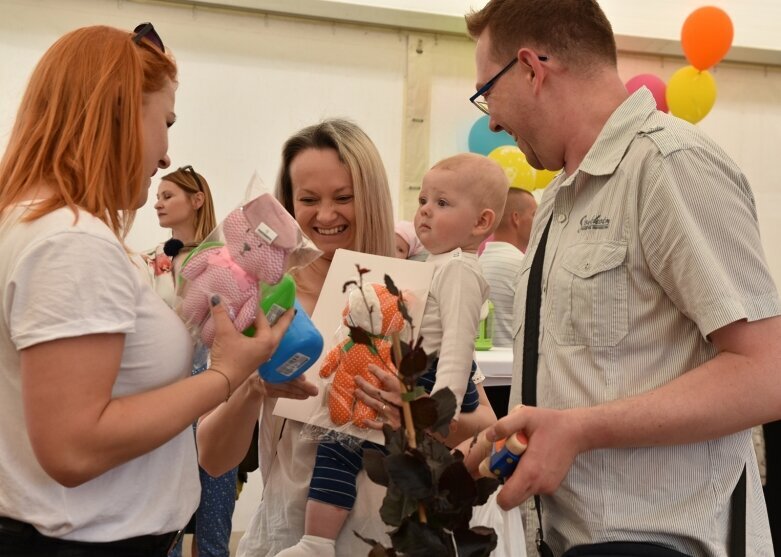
column 259, row 238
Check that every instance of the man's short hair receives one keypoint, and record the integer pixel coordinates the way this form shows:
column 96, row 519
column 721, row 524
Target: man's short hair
column 575, row 31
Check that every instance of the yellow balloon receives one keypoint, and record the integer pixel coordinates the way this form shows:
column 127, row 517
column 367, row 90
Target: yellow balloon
column 691, row 94
column 543, row 178
column 519, row 172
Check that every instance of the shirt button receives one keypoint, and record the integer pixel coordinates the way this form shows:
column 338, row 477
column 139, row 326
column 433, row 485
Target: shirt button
column 561, row 217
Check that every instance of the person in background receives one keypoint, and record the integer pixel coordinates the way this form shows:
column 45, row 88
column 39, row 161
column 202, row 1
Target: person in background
column 772, row 441
column 333, row 182
column 184, row 204
column 97, row 458
column 502, row 258
column 408, row 245
column 501, row 263
column 657, row 348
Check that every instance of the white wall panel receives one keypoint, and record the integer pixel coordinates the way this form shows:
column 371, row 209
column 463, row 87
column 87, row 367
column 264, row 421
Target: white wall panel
column 249, row 81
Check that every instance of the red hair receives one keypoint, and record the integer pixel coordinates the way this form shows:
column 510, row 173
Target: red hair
column 78, row 129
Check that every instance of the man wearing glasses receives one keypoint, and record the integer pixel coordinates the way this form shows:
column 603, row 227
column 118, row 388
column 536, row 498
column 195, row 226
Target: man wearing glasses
column 647, row 320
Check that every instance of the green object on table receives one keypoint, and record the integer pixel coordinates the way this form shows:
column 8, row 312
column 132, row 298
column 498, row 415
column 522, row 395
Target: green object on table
column 485, row 330
column 275, row 299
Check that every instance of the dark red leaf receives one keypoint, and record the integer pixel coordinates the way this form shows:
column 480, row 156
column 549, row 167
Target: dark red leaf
column 348, row 283
column 359, row 336
column 424, row 412
column 391, row 286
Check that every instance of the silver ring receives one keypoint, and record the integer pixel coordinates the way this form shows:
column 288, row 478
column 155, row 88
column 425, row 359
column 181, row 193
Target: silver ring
column 383, row 407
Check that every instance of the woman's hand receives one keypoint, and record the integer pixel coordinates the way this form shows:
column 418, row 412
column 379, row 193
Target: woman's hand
column 385, row 400
column 236, row 355
column 299, row 388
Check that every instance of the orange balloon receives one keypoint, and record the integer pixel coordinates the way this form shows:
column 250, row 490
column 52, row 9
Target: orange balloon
column 706, row 36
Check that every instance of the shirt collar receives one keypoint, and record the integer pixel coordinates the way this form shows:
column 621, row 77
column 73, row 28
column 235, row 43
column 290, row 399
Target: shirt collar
column 495, row 245
column 619, row 130
column 441, row 258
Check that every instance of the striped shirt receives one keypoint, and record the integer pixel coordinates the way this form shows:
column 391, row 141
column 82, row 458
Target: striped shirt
column 501, row 263
column 653, row 245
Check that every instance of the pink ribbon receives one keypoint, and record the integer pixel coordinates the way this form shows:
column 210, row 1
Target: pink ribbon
column 221, row 257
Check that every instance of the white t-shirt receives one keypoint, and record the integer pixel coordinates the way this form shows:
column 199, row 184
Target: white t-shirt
column 61, row 279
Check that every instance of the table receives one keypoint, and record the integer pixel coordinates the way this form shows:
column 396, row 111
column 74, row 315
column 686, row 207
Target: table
column 497, row 365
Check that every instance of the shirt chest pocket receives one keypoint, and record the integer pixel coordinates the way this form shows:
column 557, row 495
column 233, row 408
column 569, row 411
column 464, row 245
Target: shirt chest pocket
column 588, row 292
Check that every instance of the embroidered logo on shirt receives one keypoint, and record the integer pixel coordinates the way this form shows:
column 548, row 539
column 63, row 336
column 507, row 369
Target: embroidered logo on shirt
column 597, row 222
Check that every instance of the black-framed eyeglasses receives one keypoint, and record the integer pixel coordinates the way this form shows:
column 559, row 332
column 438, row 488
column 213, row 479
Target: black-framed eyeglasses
column 189, row 169
column 147, row 31
column 482, row 105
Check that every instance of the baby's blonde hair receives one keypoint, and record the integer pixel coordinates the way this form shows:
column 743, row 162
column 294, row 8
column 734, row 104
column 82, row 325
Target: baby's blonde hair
column 485, row 181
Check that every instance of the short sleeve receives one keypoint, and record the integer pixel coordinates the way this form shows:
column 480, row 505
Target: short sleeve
column 71, row 284
column 701, row 240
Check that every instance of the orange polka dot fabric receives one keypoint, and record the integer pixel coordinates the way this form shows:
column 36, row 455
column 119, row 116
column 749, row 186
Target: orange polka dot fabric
column 343, row 406
column 349, row 360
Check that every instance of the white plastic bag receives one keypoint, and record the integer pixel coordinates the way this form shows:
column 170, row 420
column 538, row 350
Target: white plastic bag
column 508, row 526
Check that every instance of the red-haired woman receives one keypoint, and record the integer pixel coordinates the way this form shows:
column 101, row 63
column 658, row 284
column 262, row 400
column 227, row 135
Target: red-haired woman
column 96, row 453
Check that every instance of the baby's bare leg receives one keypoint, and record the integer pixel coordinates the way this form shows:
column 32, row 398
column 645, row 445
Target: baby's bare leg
column 324, row 520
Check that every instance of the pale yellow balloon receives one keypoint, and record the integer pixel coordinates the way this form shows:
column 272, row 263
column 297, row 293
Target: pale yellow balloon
column 544, row 177
column 691, row 94
column 518, row 171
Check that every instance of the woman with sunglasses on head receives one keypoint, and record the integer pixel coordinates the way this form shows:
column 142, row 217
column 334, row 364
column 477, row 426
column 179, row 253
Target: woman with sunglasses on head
column 96, row 453
column 184, row 204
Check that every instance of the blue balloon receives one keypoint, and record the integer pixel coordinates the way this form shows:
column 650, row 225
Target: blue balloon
column 482, row 140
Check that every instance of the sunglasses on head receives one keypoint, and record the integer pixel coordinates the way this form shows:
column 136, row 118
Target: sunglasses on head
column 189, row 169
column 147, row 31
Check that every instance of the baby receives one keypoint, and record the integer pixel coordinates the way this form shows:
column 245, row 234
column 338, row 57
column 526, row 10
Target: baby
column 460, row 203
column 408, row 246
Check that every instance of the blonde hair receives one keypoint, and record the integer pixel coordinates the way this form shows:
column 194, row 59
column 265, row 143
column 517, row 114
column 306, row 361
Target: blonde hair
column 190, row 182
column 486, row 182
column 373, row 209
column 79, row 130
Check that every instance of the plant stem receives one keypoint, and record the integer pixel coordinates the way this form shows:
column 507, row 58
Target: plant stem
column 409, row 424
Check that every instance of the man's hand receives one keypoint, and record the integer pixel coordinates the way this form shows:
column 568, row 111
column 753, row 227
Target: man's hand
column 555, row 439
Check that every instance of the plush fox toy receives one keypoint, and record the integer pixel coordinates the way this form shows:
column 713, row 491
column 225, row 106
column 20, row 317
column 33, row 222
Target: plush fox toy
column 349, row 359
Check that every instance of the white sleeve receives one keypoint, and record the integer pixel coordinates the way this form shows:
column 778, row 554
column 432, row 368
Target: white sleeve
column 71, row 284
column 461, row 292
